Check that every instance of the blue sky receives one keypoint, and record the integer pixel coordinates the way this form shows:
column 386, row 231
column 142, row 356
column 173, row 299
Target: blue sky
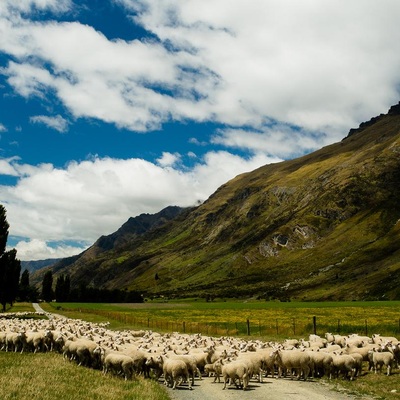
column 113, row 108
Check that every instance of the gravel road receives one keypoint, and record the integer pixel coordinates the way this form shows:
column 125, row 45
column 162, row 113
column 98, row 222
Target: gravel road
column 271, row 389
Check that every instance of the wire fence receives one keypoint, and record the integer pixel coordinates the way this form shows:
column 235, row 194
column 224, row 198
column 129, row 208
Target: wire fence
column 278, row 327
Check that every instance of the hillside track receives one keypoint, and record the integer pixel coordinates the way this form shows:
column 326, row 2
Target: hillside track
column 271, row 389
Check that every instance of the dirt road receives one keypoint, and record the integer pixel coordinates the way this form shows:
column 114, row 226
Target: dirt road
column 271, row 389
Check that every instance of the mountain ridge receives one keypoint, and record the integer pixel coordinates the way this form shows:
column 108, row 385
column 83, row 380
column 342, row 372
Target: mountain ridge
column 324, row 226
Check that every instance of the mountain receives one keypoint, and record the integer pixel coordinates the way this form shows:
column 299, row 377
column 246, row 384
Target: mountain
column 320, row 227
column 33, row 266
column 134, row 228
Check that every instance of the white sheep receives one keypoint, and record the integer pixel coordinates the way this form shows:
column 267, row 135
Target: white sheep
column 175, row 371
column 80, row 350
column 289, row 360
column 336, row 339
column 235, row 370
column 139, row 359
column 343, row 363
column 215, row 368
column 269, row 362
column 36, row 341
column 379, row 359
column 321, row 363
column 378, row 339
column 255, row 362
column 191, row 364
column 155, row 366
column 15, row 341
column 119, row 364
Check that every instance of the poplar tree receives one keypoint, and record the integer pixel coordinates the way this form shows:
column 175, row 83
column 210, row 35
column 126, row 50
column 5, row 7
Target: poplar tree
column 47, row 286
column 10, row 266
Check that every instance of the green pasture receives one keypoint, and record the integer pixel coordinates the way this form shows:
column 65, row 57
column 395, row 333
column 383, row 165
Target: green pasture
column 47, row 376
column 268, row 320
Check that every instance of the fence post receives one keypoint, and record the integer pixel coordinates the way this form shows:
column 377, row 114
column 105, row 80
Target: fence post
column 277, row 329
column 314, row 319
column 366, row 327
column 184, row 327
column 294, row 326
column 248, row 327
column 338, row 325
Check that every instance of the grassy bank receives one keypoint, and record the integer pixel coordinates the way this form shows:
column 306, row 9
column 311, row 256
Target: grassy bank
column 46, row 376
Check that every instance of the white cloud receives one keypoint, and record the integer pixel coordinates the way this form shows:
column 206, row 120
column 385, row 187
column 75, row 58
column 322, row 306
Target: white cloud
column 58, row 123
column 95, row 197
column 32, row 250
column 3, row 128
column 314, row 64
column 278, row 140
column 323, row 66
column 168, row 159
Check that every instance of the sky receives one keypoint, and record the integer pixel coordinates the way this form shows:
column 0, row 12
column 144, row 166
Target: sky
column 114, row 108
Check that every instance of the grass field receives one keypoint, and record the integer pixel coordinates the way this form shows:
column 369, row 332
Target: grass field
column 268, row 320
column 47, row 376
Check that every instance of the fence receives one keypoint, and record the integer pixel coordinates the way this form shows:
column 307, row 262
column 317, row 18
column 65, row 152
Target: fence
column 278, row 327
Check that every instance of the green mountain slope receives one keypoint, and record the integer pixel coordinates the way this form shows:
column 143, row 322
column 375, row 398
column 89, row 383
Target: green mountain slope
column 323, row 226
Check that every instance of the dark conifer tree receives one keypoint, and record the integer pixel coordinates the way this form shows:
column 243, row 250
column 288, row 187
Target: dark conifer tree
column 10, row 266
column 47, row 286
column 24, row 286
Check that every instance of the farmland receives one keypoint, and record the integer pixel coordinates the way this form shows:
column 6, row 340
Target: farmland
column 207, row 316
column 267, row 320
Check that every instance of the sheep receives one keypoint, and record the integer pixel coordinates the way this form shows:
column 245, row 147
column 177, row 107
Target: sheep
column 139, row 359
column 37, row 340
column 3, row 336
column 214, row 368
column 321, row 363
column 330, row 348
column 15, row 340
column 335, row 339
column 343, row 363
column 290, row 343
column 254, row 362
column 118, row 363
column 363, row 351
column 379, row 359
column 378, row 339
column 216, row 355
column 80, row 350
column 269, row 363
column 235, row 370
column 191, row 364
column 288, row 360
column 202, row 358
column 395, row 350
column 359, row 360
column 156, row 366
column 174, row 372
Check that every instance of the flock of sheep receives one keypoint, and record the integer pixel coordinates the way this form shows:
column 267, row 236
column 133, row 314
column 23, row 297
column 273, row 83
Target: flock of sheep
column 182, row 358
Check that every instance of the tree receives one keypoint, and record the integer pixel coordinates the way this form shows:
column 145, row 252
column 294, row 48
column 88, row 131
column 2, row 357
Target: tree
column 10, row 266
column 62, row 288
column 24, row 286
column 27, row 292
column 47, row 286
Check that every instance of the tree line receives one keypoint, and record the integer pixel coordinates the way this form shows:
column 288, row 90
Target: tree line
column 16, row 286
